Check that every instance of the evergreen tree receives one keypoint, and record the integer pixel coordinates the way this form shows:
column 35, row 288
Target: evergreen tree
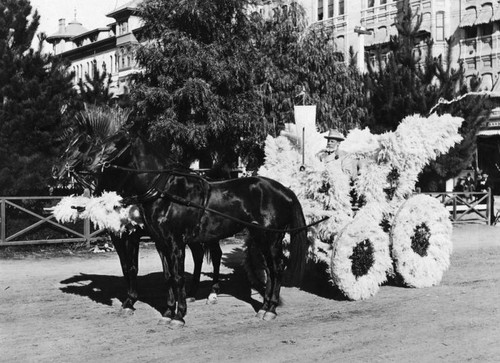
column 95, row 88
column 34, row 91
column 300, row 59
column 407, row 79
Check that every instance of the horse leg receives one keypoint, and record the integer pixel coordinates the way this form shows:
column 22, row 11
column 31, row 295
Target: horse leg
column 166, row 262
column 216, row 256
column 275, row 260
column 127, row 248
column 273, row 256
column 197, row 252
column 179, row 252
column 256, row 242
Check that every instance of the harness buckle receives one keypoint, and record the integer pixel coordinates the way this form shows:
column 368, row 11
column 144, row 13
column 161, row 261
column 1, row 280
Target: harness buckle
column 105, row 165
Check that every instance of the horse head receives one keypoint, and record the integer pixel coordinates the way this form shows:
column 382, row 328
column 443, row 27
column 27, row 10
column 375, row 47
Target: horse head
column 92, row 143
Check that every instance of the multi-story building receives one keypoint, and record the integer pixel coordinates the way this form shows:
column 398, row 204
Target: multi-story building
column 474, row 26
column 110, row 48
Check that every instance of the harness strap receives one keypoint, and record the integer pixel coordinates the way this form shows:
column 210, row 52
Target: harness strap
column 188, row 203
column 160, row 180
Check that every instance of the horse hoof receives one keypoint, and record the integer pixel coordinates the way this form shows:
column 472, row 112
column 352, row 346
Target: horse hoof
column 127, row 311
column 190, row 299
column 176, row 324
column 164, row 321
column 260, row 314
column 268, row 316
column 212, row 299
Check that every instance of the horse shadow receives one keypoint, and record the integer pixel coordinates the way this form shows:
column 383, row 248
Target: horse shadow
column 103, row 289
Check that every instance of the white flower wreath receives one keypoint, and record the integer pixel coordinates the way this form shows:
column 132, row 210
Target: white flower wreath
column 364, row 232
column 424, row 267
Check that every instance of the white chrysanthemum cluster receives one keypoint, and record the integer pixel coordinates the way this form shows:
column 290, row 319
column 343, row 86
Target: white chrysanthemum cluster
column 385, row 174
column 105, row 212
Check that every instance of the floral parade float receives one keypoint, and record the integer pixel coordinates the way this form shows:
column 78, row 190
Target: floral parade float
column 391, row 231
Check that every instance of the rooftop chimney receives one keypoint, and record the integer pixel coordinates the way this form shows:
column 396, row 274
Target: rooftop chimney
column 62, row 25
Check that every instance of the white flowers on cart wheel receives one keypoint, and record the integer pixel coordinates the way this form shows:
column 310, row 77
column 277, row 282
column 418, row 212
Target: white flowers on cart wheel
column 421, row 241
column 361, row 259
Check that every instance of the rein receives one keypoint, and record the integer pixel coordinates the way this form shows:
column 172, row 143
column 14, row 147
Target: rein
column 154, row 193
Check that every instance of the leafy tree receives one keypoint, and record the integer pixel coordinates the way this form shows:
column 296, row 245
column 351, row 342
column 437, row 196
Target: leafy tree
column 218, row 78
column 197, row 90
column 407, row 79
column 34, row 89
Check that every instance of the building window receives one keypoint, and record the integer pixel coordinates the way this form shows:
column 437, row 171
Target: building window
column 123, row 28
column 440, row 26
column 486, row 29
column 320, row 9
column 470, row 32
column 341, row 7
column 383, row 2
column 330, row 8
column 487, row 62
column 371, row 3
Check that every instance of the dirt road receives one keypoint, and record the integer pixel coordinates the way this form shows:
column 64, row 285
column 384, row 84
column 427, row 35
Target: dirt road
column 67, row 309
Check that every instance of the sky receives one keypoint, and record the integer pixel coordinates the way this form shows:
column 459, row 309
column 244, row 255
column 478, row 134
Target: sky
column 91, row 13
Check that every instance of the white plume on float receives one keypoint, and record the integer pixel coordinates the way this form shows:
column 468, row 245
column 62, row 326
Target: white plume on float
column 416, row 142
column 105, row 212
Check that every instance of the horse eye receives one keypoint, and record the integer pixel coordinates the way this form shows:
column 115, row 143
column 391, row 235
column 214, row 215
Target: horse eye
column 89, row 160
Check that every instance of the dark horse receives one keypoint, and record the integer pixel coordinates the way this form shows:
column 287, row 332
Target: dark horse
column 180, row 208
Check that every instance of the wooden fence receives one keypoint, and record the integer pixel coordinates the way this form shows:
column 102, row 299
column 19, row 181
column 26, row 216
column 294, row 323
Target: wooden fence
column 466, row 206
column 24, row 220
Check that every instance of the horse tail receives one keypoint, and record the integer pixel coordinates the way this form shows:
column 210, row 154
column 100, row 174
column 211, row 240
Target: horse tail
column 299, row 245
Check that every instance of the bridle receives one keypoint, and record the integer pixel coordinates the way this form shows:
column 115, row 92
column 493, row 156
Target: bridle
column 79, row 177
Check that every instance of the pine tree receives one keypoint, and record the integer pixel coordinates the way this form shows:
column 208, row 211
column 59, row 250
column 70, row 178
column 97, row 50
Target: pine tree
column 95, row 89
column 34, row 90
column 407, row 79
column 299, row 58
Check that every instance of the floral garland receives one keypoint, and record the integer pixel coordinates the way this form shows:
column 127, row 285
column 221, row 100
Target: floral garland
column 361, row 259
column 105, row 212
column 421, row 241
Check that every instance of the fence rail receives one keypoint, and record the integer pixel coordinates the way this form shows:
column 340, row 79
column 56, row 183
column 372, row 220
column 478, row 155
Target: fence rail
column 464, row 205
column 36, row 218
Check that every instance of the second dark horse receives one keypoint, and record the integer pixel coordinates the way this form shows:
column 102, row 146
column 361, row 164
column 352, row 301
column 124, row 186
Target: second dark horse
column 180, row 208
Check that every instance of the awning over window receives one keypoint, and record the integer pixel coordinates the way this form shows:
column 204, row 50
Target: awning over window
column 496, row 13
column 485, row 15
column 488, row 133
column 469, row 18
